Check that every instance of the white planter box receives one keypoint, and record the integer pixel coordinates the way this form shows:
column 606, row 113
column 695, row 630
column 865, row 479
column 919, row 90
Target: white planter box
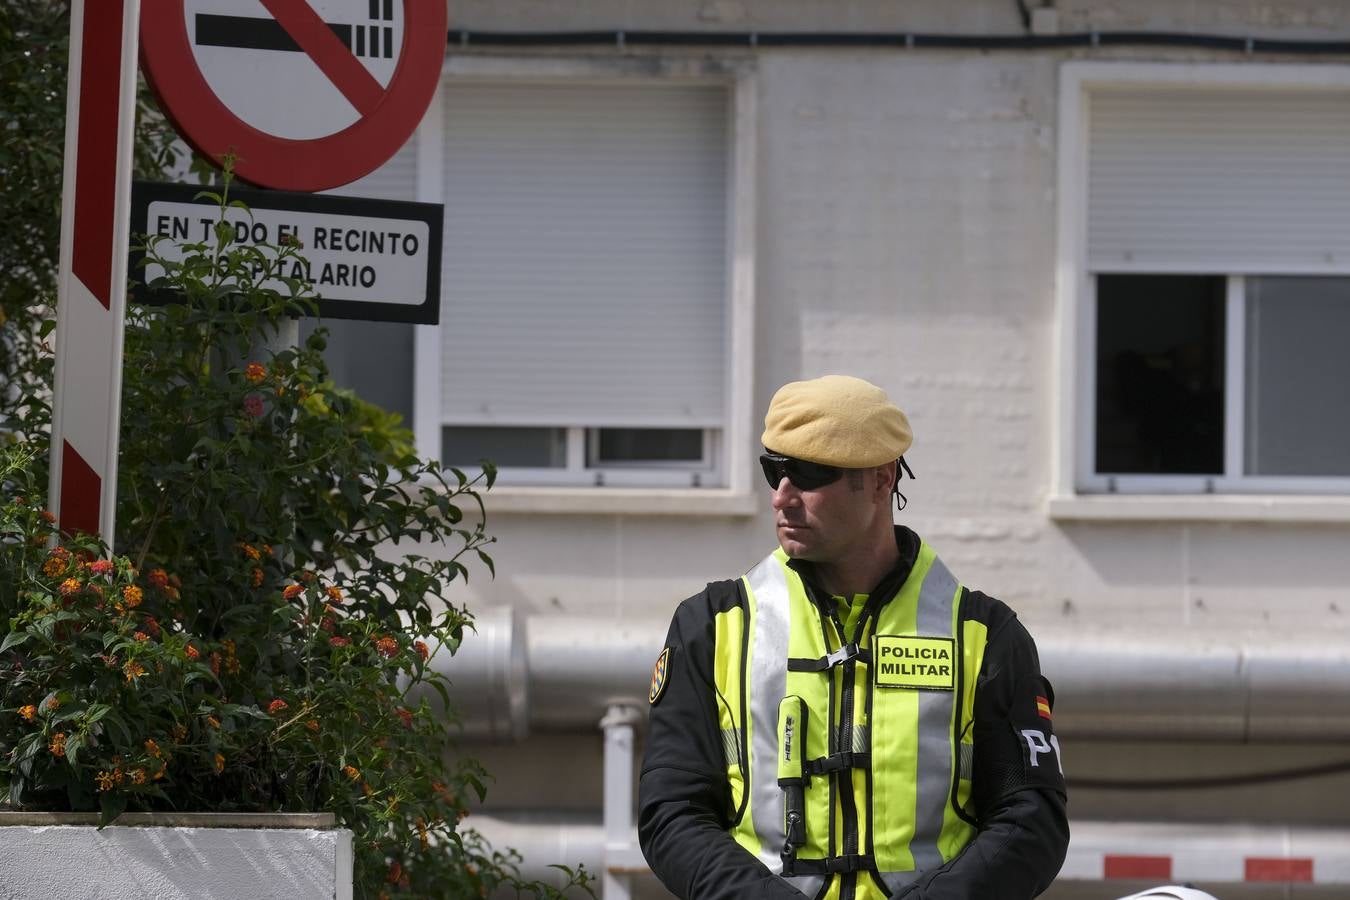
column 202, row 856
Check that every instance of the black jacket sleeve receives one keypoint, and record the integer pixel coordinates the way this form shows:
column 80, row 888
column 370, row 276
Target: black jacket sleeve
column 684, row 802
column 1019, row 790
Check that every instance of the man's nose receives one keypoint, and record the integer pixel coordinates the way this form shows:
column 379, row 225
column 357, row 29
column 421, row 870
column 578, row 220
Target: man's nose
column 786, row 494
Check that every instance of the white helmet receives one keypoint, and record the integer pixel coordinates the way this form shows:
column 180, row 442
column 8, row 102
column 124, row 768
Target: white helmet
column 1171, row 892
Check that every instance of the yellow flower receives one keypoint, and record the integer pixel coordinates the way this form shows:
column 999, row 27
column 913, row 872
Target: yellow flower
column 132, row 595
column 54, row 566
column 58, row 744
column 152, row 748
column 220, row 763
column 255, row 372
column 28, row 712
column 250, row 551
column 105, row 781
column 351, row 772
column 141, row 636
column 133, row 670
column 70, row 586
column 291, row 591
column 213, row 721
column 334, row 594
column 51, row 704
column 138, row 776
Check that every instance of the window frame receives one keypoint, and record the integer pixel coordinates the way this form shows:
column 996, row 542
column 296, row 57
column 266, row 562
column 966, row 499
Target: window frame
column 1077, row 490
column 626, row 488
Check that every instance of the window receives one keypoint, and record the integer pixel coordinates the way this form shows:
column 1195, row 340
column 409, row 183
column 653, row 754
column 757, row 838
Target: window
column 596, row 275
column 1205, row 217
column 585, row 276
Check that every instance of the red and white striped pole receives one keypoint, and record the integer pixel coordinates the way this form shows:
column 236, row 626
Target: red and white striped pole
column 92, row 285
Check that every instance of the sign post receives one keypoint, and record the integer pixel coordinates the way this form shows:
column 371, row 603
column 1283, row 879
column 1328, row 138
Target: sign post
column 312, row 95
column 92, row 275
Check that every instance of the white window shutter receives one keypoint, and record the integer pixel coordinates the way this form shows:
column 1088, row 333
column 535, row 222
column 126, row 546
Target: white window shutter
column 395, row 180
column 585, row 254
column 1218, row 180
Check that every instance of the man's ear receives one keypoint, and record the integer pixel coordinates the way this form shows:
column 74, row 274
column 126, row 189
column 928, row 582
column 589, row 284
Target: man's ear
column 885, row 482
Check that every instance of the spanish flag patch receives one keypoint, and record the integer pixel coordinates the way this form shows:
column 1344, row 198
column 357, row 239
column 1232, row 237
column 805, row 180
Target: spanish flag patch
column 1043, row 707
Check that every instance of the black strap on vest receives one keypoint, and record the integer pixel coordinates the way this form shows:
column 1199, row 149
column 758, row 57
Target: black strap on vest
column 830, row 865
column 846, row 653
column 836, row 762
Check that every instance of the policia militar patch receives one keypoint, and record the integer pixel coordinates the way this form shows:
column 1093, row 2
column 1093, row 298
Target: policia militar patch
column 925, row 663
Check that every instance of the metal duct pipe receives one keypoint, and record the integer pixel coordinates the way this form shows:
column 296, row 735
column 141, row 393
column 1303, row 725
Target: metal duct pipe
column 557, row 674
column 490, row 677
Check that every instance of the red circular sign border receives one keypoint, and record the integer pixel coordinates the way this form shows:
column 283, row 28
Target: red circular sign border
column 315, row 164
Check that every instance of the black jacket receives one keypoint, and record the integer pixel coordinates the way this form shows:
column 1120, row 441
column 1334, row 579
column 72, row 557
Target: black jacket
column 684, row 800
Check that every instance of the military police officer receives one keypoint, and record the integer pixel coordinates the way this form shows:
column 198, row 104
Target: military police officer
column 847, row 720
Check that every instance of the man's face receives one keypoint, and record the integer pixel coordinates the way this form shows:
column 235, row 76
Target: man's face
column 823, row 524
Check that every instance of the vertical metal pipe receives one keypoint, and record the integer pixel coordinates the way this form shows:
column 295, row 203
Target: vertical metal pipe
column 618, row 804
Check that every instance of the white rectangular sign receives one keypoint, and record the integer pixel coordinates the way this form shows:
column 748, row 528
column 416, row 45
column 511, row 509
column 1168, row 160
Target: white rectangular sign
column 366, row 259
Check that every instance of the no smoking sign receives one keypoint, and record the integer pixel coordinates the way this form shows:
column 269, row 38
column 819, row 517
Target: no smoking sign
column 308, row 94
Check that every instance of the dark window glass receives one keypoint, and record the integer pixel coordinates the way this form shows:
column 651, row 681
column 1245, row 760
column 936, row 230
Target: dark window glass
column 629, row 445
column 540, row 448
column 1160, row 374
column 375, row 359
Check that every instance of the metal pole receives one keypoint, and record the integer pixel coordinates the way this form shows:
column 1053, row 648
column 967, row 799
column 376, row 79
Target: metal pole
column 618, row 804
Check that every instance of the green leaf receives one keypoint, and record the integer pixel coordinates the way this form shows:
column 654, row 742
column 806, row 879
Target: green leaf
column 111, row 805
column 14, row 639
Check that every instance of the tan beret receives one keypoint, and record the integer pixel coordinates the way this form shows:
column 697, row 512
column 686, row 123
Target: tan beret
column 837, row 420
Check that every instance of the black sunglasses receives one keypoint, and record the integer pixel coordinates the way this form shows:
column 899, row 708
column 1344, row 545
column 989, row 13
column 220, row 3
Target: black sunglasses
column 805, row 476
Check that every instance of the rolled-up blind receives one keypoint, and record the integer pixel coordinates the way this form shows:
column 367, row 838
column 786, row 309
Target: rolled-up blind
column 1218, row 180
column 585, row 254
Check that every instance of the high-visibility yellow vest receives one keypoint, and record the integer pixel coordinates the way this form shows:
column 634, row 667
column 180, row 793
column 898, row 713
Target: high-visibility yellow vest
column 849, row 755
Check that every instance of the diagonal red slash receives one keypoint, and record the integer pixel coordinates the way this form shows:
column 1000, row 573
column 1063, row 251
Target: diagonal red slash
column 333, row 58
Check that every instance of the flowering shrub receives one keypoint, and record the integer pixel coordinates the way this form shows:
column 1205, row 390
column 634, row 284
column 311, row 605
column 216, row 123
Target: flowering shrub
column 258, row 638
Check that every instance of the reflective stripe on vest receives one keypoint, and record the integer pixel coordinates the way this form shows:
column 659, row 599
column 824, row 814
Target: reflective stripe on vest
column 918, row 772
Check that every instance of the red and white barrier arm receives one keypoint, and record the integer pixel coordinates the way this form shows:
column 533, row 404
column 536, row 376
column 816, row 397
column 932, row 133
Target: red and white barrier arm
column 1213, row 853
column 92, row 285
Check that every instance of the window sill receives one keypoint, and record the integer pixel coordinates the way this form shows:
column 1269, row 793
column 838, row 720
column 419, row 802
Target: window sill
column 621, row 501
column 1205, row 508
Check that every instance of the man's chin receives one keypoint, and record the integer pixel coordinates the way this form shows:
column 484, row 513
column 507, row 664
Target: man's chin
column 794, row 546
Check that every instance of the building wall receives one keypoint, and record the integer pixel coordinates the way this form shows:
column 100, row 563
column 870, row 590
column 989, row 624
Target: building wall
column 907, row 234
